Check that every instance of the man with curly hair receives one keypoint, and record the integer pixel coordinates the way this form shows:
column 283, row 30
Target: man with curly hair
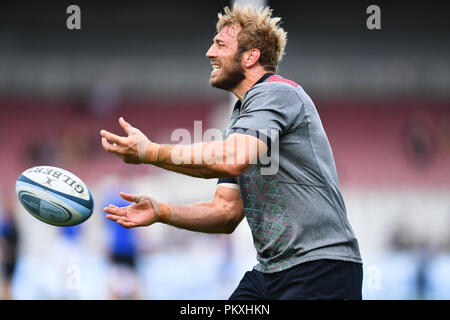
column 275, row 167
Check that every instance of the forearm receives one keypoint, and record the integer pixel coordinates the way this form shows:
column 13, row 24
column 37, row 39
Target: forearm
column 214, row 159
column 203, row 217
column 195, row 170
column 202, row 160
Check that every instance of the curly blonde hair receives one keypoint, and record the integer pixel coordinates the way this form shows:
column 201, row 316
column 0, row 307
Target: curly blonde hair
column 258, row 30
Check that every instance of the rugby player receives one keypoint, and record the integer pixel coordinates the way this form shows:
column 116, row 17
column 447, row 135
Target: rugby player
column 306, row 248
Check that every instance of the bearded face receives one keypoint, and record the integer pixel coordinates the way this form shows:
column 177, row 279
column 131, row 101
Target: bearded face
column 227, row 73
column 225, row 59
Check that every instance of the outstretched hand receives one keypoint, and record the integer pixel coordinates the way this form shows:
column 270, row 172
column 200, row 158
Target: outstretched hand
column 130, row 149
column 141, row 213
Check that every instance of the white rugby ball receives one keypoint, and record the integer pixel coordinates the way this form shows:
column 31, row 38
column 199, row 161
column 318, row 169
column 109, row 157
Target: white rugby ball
column 54, row 196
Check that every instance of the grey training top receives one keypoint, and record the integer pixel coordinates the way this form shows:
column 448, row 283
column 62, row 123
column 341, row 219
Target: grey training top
column 292, row 204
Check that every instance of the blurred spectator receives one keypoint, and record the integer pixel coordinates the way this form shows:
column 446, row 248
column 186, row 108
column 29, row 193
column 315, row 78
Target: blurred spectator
column 401, row 239
column 443, row 127
column 123, row 282
column 68, row 259
column 41, row 150
column 9, row 240
column 78, row 144
column 422, row 272
column 105, row 95
column 420, row 138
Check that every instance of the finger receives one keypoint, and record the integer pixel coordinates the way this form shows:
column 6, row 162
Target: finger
column 109, row 147
column 113, row 217
column 115, row 210
column 125, row 125
column 129, row 197
column 126, row 224
column 123, row 221
column 112, row 137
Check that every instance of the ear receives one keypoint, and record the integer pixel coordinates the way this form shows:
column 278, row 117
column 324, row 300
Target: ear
column 251, row 57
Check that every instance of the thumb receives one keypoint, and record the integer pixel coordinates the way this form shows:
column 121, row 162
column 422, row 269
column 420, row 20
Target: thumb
column 128, row 197
column 125, row 125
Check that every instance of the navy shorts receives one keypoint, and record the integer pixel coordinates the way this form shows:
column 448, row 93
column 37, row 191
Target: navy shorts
column 314, row 280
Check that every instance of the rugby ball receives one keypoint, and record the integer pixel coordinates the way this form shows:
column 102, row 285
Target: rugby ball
column 54, row 196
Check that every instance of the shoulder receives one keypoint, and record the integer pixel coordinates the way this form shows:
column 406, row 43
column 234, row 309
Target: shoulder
column 276, row 82
column 275, row 88
column 273, row 85
column 279, row 81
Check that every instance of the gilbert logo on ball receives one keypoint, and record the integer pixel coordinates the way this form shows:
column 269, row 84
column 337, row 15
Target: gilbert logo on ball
column 54, row 196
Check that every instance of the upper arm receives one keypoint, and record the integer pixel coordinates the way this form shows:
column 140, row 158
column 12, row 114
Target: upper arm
column 245, row 149
column 227, row 200
column 270, row 112
column 265, row 116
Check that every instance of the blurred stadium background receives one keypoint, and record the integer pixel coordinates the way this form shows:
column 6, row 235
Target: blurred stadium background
column 383, row 95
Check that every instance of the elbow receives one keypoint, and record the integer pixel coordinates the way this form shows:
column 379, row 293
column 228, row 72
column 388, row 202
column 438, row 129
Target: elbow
column 222, row 171
column 235, row 170
column 229, row 228
column 232, row 222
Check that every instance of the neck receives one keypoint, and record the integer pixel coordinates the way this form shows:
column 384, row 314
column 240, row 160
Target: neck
column 251, row 77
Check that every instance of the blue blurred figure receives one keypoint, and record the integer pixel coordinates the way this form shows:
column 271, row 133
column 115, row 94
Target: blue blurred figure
column 9, row 242
column 68, row 260
column 123, row 254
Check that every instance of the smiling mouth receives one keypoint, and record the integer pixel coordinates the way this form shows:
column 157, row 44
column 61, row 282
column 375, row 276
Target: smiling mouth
column 216, row 67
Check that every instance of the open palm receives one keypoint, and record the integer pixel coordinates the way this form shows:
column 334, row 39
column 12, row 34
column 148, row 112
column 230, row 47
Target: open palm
column 138, row 214
column 131, row 149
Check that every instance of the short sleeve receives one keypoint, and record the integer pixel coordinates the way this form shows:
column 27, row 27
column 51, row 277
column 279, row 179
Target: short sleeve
column 268, row 113
column 231, row 182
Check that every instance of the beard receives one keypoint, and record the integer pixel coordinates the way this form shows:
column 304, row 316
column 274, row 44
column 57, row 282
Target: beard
column 230, row 77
